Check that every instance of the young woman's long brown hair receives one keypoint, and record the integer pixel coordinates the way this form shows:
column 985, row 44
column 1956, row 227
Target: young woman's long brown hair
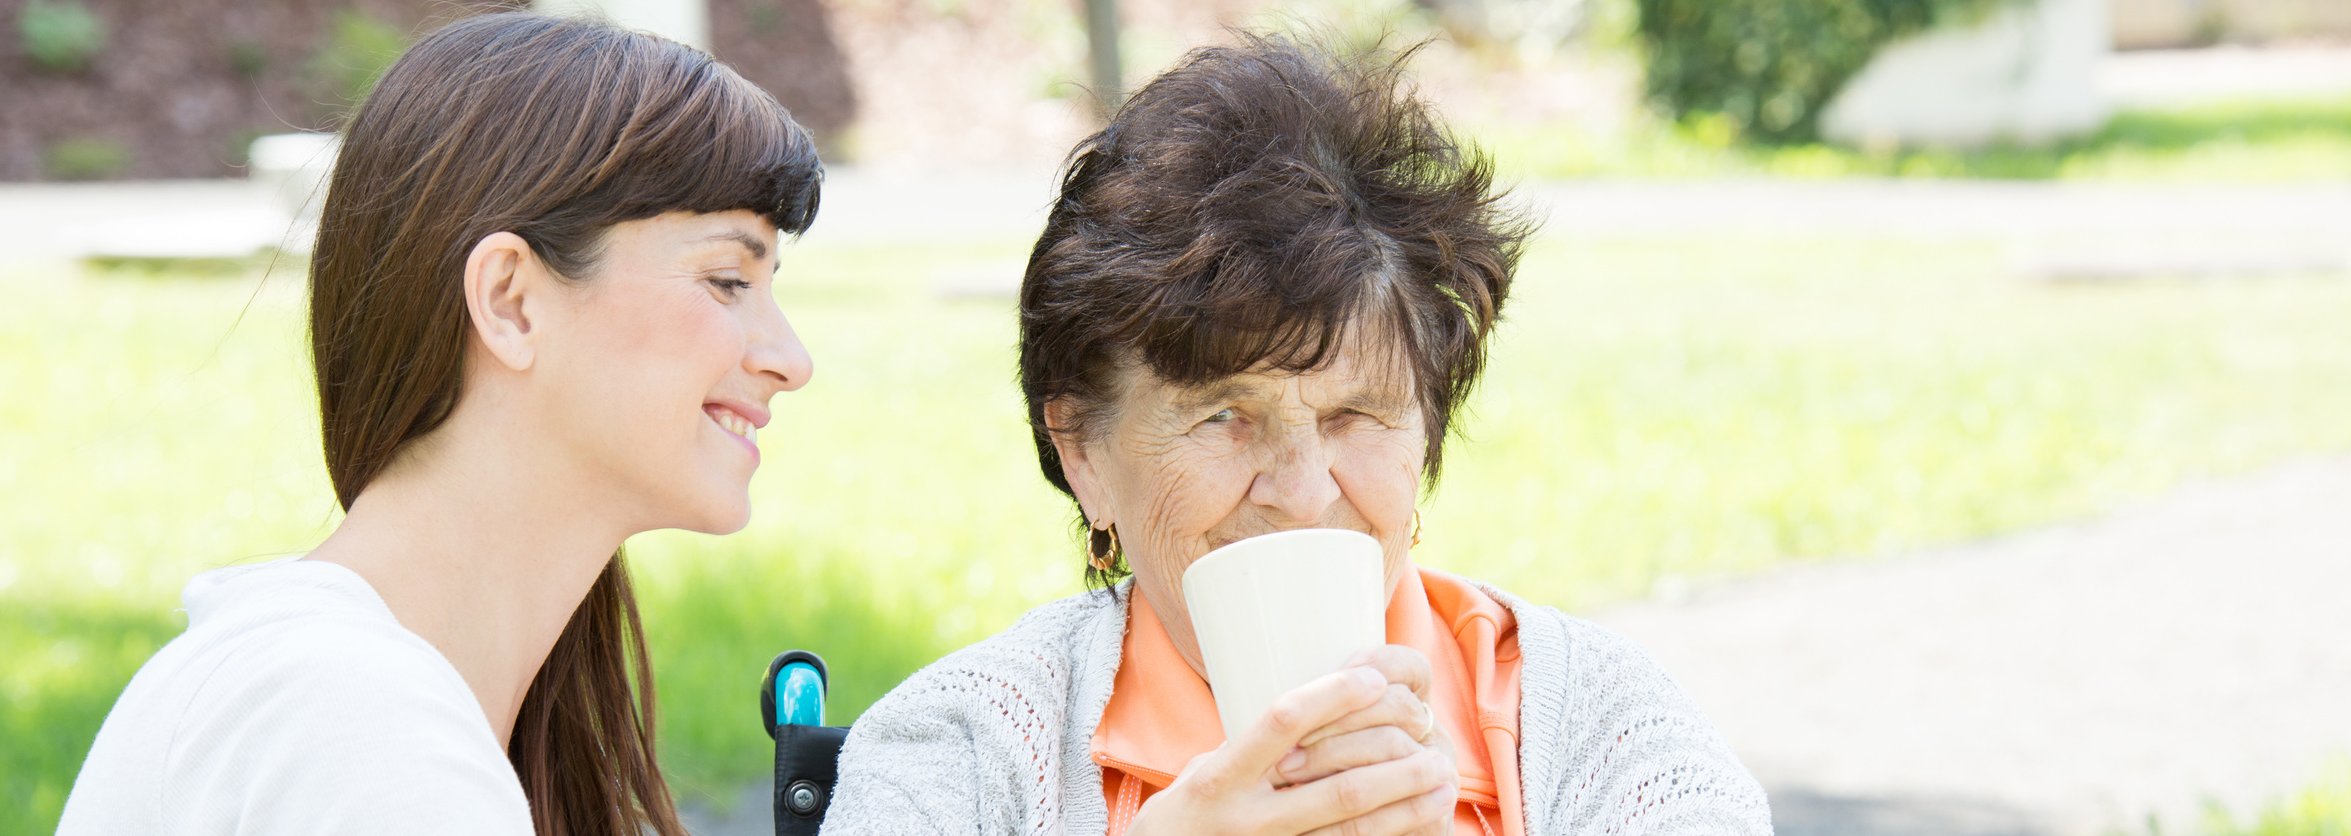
column 555, row 130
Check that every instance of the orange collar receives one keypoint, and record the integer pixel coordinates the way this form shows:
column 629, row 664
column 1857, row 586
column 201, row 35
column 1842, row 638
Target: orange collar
column 1161, row 714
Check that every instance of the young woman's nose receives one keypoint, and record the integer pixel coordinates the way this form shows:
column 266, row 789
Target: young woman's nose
column 775, row 351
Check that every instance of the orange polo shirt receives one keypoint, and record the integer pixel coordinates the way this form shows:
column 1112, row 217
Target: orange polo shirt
column 1161, row 714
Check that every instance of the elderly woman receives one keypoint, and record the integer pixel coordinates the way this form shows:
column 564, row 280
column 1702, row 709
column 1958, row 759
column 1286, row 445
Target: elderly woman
column 1264, row 292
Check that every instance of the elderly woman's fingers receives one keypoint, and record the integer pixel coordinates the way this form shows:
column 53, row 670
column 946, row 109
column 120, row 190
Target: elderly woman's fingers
column 1401, row 665
column 1294, row 715
column 1361, row 792
column 1228, row 790
column 1378, row 744
column 1428, row 813
column 1397, row 706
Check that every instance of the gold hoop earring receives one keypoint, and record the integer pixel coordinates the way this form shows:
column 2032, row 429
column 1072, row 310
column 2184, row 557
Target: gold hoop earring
column 1101, row 547
column 1416, row 527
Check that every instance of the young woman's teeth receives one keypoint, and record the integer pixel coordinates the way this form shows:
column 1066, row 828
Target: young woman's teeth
column 738, row 425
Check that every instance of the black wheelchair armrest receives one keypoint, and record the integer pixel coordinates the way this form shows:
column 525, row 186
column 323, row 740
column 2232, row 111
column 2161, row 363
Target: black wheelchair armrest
column 807, row 766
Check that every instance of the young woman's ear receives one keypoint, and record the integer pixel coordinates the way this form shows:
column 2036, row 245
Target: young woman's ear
column 1076, row 466
column 504, row 283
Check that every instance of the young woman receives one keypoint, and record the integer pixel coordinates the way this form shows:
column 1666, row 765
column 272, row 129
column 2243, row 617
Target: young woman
column 541, row 322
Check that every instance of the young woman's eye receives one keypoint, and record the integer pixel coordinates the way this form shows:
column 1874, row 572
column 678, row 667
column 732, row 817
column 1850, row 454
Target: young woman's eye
column 730, row 287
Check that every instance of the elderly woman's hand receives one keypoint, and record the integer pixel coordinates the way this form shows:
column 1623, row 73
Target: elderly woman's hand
column 1399, row 725
column 1238, row 787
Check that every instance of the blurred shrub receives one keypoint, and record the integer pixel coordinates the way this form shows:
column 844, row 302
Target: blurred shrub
column 61, row 35
column 358, row 50
column 1766, row 68
column 86, row 158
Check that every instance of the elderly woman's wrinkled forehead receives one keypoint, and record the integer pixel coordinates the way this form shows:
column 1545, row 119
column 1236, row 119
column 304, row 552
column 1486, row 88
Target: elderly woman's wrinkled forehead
column 1366, row 367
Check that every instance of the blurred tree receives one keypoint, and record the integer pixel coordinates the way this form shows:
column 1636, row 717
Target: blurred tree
column 1764, row 69
column 1102, row 48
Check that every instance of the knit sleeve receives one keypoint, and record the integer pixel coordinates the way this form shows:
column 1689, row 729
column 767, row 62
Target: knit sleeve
column 965, row 746
column 908, row 767
column 1637, row 755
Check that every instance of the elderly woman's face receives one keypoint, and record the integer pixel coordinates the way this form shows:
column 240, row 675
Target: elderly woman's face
column 1182, row 470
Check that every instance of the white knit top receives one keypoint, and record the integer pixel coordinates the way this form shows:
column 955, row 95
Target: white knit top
column 996, row 738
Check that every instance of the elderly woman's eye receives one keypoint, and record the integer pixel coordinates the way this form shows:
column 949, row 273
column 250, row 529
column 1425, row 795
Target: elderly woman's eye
column 1221, row 416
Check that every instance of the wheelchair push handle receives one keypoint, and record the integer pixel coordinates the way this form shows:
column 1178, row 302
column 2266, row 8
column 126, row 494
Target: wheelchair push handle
column 793, row 692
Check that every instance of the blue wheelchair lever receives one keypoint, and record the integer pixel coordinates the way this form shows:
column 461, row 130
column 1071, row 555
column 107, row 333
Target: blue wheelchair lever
column 798, row 695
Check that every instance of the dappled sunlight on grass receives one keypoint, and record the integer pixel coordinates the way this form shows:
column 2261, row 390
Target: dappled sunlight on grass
column 1732, row 406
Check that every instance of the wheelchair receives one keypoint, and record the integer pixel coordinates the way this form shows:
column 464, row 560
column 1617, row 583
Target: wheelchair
column 807, row 752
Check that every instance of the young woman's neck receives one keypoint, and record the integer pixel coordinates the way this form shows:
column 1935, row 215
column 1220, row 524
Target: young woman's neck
column 483, row 544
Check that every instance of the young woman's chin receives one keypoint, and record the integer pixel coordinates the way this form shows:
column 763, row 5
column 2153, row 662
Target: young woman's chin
column 719, row 514
column 712, row 497
column 729, row 526
column 719, row 498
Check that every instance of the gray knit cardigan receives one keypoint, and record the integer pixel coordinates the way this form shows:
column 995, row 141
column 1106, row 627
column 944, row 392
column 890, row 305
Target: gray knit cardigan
column 996, row 738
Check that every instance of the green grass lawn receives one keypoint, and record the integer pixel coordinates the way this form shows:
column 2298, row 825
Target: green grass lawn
column 1656, row 409
column 2253, row 141
column 2322, row 809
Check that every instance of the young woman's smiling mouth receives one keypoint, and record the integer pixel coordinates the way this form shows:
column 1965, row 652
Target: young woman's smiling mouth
column 740, row 420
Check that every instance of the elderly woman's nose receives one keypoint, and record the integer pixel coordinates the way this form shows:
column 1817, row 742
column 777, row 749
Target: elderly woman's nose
column 1297, row 484
column 774, row 350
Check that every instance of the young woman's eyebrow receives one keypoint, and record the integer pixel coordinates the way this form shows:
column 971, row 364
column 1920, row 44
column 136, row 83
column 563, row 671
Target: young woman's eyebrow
column 752, row 245
column 757, row 247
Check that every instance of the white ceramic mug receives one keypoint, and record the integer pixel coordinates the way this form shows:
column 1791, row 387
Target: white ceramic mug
column 1275, row 611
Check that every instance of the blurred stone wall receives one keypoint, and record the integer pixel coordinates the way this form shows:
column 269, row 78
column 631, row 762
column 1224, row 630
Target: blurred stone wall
column 181, row 88
column 177, row 89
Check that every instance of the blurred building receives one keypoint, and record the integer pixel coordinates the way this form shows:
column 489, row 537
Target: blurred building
column 2157, row 24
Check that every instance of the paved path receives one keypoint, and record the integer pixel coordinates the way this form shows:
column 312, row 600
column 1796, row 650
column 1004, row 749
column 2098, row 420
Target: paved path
column 2062, row 681
column 2171, row 77
column 2050, row 230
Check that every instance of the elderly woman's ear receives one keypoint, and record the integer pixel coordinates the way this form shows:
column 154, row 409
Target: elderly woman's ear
column 1061, row 422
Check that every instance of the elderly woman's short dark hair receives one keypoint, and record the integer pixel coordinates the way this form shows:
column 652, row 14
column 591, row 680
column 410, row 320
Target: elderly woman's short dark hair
column 1259, row 207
